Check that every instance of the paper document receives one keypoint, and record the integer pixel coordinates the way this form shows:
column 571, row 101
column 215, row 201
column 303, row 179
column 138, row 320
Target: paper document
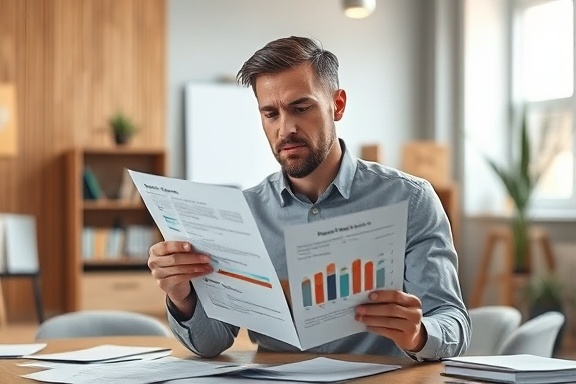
column 134, row 372
column 320, row 369
column 19, row 350
column 101, row 353
column 332, row 264
column 59, row 364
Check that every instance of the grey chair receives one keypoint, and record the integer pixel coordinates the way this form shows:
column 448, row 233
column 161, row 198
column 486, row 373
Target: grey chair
column 490, row 327
column 100, row 323
column 535, row 337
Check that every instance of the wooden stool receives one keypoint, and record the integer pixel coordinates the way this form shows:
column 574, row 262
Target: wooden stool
column 504, row 234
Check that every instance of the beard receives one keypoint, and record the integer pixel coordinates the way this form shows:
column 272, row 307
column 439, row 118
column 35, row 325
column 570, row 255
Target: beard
column 299, row 167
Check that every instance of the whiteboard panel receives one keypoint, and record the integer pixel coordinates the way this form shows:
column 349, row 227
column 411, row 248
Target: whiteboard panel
column 18, row 244
column 225, row 143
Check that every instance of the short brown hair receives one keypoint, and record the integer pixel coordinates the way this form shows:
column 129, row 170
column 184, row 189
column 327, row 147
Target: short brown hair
column 289, row 52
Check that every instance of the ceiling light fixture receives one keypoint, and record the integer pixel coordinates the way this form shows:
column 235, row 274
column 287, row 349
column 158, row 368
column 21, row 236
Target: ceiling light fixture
column 358, row 9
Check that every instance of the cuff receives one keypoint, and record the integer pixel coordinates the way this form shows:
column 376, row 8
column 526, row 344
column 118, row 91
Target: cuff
column 433, row 343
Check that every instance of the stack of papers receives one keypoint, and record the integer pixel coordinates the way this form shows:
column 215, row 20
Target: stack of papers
column 521, row 369
column 320, row 370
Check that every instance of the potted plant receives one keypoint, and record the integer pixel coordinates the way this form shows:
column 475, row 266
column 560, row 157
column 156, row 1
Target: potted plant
column 519, row 181
column 123, row 127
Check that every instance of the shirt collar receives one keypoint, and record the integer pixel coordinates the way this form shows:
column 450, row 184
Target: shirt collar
column 342, row 182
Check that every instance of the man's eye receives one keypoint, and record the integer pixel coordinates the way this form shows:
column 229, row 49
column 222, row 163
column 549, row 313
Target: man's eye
column 301, row 109
column 270, row 115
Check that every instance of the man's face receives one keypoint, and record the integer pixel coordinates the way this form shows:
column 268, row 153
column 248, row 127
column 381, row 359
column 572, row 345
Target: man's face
column 297, row 115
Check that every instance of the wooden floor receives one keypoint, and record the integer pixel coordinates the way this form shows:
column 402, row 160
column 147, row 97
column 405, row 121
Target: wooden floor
column 24, row 333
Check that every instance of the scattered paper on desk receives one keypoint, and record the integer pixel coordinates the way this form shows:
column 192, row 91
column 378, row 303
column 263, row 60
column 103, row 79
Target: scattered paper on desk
column 19, row 350
column 133, row 372
column 319, row 370
column 101, row 353
column 53, row 364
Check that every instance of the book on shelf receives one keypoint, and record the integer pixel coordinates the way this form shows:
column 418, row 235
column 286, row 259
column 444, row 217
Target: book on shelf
column 520, row 369
column 91, row 186
column 127, row 191
column 139, row 239
column 102, row 243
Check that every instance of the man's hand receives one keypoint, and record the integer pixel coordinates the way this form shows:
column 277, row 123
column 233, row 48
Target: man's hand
column 395, row 315
column 173, row 264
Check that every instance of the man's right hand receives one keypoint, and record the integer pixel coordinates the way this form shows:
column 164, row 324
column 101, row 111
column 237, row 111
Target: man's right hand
column 173, row 264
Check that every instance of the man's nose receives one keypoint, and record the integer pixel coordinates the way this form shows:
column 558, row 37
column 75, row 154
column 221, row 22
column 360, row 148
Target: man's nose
column 287, row 126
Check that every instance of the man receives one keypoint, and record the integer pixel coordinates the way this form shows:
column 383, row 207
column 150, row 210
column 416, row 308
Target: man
column 295, row 82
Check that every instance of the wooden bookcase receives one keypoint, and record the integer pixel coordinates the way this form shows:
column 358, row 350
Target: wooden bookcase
column 99, row 280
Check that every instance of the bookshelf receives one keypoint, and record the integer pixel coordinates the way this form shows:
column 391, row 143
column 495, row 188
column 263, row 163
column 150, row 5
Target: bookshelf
column 110, row 230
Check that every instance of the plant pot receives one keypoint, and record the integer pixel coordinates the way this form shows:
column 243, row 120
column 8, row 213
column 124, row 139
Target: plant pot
column 121, row 139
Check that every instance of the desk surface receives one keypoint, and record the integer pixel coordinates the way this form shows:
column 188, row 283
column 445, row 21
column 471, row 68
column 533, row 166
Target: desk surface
column 422, row 373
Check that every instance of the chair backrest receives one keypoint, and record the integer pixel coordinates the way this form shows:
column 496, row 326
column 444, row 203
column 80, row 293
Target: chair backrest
column 535, row 337
column 100, row 323
column 490, row 326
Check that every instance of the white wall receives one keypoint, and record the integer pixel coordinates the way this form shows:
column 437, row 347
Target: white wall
column 379, row 60
column 392, row 66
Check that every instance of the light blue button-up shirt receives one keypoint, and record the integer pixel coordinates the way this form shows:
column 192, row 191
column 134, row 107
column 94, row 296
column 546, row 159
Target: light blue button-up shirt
column 430, row 260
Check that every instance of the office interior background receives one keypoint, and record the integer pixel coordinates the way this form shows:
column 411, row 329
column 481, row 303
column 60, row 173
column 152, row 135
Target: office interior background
column 445, row 71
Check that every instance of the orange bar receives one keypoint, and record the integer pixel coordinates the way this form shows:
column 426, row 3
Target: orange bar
column 319, row 288
column 356, row 276
column 245, row 278
column 331, row 269
column 369, row 276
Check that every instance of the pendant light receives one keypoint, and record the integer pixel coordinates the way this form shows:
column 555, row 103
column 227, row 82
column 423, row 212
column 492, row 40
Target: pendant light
column 358, row 9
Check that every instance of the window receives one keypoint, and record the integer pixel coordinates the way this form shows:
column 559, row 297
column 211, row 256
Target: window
column 543, row 82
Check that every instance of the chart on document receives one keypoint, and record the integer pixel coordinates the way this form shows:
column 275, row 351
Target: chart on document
column 340, row 282
column 333, row 265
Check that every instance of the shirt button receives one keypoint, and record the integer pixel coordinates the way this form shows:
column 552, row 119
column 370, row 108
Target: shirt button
column 315, row 211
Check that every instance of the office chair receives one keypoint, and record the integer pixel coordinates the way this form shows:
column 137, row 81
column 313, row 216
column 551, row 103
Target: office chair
column 100, row 323
column 535, row 337
column 490, row 327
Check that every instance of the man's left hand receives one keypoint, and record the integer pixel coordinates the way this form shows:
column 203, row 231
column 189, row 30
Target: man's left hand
column 396, row 315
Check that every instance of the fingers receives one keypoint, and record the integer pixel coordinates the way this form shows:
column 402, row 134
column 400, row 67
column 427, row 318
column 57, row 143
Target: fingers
column 396, row 315
column 173, row 253
column 401, row 298
column 174, row 263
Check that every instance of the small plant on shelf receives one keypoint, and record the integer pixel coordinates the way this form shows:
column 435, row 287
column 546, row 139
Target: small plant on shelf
column 123, row 127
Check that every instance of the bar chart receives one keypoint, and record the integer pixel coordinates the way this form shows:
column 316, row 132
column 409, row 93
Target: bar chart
column 338, row 282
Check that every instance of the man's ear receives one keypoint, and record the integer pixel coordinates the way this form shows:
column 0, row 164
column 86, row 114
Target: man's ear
column 339, row 104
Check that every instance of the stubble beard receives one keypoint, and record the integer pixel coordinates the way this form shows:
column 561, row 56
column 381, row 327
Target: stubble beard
column 297, row 167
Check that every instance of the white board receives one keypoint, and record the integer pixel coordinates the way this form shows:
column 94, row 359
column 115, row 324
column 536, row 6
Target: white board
column 19, row 252
column 225, row 143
